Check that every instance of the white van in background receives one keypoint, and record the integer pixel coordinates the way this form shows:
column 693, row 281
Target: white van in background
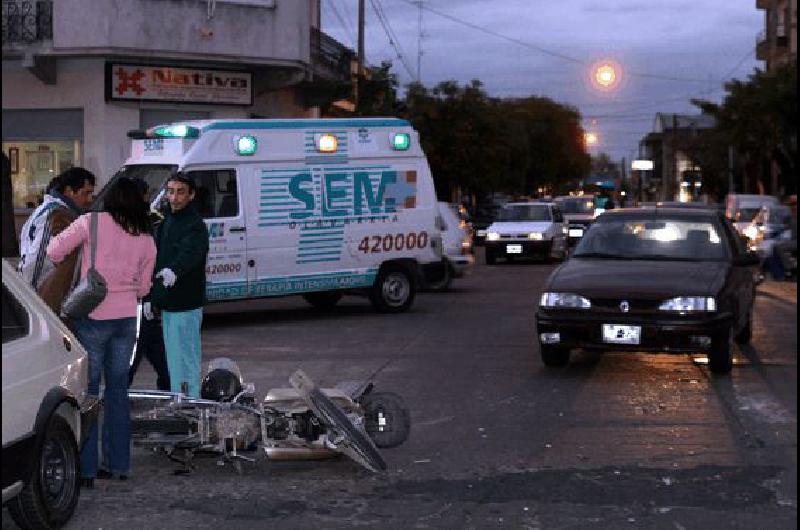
column 319, row 208
column 741, row 209
column 457, row 247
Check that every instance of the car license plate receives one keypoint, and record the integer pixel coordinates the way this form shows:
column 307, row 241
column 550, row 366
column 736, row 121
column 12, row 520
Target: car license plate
column 616, row 334
column 513, row 249
column 575, row 232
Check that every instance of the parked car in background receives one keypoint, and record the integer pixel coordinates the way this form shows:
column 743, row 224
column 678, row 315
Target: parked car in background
column 770, row 225
column 46, row 410
column 456, row 247
column 484, row 216
column 526, row 229
column 578, row 211
column 741, row 209
column 690, row 205
column 651, row 279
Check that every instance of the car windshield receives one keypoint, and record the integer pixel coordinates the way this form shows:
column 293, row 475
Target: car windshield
column 649, row 239
column 576, row 205
column 524, row 212
column 746, row 215
column 153, row 175
column 780, row 215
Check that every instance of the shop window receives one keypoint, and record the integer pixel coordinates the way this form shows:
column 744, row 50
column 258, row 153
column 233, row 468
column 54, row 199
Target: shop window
column 34, row 164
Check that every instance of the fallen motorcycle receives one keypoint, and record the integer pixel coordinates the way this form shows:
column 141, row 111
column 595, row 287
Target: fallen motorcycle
column 301, row 422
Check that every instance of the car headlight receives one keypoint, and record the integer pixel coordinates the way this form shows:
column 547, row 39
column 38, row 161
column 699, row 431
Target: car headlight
column 751, row 232
column 564, row 300
column 492, row 236
column 536, row 236
column 689, row 303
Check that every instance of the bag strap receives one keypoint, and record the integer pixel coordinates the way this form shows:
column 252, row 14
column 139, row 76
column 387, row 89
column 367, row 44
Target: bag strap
column 93, row 237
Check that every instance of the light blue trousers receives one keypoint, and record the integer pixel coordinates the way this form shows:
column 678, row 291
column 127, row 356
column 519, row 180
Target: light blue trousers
column 182, row 342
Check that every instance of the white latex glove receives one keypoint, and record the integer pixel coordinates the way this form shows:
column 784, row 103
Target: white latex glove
column 167, row 277
column 147, row 311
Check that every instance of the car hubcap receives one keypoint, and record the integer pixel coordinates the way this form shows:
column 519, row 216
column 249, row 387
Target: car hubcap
column 396, row 289
column 57, row 473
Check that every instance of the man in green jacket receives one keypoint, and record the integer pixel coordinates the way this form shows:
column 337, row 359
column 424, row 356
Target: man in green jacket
column 182, row 243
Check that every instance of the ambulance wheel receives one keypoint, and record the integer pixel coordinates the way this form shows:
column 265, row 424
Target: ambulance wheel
column 491, row 259
column 323, row 300
column 393, row 291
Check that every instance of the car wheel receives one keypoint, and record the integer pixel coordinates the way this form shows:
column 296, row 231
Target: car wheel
column 746, row 333
column 720, row 358
column 491, row 259
column 51, row 494
column 393, row 291
column 554, row 355
column 323, row 300
column 443, row 283
column 386, row 418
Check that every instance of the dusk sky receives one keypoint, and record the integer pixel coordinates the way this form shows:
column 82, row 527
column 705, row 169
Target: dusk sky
column 669, row 51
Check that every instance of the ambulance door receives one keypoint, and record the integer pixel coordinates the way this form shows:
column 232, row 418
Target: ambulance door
column 219, row 199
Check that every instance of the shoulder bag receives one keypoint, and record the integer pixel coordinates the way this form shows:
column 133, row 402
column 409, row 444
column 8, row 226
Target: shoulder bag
column 92, row 289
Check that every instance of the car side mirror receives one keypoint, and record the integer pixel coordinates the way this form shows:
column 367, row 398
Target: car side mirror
column 750, row 259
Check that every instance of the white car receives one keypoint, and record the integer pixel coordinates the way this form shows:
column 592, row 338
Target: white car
column 46, row 409
column 526, row 229
column 456, row 247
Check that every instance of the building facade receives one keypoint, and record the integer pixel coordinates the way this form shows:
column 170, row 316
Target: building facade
column 674, row 176
column 78, row 75
column 776, row 44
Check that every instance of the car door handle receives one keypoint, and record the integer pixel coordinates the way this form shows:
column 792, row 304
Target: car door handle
column 238, row 229
column 67, row 343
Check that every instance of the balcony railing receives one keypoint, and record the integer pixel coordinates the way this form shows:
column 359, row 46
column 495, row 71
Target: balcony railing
column 329, row 57
column 26, row 22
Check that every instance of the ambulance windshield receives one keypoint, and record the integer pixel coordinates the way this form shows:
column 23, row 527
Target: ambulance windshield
column 151, row 177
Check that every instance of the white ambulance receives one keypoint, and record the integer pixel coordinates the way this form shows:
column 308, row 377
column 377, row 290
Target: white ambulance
column 319, row 208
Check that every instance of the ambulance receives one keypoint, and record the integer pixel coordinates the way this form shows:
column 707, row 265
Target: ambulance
column 319, row 208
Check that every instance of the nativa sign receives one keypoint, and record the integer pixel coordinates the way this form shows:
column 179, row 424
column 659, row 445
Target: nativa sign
column 183, row 85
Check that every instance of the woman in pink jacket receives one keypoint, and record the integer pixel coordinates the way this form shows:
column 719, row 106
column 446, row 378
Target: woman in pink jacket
column 125, row 257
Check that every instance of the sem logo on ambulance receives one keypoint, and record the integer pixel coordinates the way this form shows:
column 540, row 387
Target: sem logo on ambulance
column 334, row 194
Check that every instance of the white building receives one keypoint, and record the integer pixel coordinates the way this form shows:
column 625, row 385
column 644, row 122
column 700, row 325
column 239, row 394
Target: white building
column 78, row 75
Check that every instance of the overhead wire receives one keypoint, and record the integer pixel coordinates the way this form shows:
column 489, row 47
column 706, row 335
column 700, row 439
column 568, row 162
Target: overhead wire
column 390, row 35
column 343, row 21
column 543, row 50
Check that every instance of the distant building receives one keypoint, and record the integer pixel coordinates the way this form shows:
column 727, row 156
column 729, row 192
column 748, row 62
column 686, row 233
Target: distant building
column 777, row 42
column 78, row 75
column 674, row 176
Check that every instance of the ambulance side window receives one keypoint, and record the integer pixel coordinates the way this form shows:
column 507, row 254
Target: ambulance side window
column 216, row 194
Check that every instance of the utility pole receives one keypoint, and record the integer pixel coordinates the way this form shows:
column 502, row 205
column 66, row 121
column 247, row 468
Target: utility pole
column 730, row 169
column 420, row 35
column 360, row 75
column 674, row 153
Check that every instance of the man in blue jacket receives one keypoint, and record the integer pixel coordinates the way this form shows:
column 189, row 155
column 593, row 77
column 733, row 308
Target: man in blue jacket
column 180, row 284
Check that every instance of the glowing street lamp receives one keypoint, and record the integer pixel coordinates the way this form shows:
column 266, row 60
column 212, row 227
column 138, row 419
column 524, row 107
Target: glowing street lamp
column 590, row 139
column 606, row 75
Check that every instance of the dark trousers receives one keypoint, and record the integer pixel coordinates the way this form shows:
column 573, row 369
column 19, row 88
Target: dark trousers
column 151, row 346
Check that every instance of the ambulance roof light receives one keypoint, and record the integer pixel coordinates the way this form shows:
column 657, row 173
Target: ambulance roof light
column 401, row 141
column 246, row 145
column 174, row 131
column 327, row 143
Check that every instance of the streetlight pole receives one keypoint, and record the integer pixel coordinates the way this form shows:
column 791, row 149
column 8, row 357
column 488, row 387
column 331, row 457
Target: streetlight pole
column 360, row 74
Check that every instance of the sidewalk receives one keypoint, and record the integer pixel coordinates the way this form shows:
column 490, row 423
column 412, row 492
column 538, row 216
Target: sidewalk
column 786, row 291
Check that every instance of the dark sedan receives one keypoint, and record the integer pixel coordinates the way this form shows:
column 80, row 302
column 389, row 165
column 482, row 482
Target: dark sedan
column 651, row 279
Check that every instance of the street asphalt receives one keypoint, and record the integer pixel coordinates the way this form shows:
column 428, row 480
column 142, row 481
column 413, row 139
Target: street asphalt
column 498, row 440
